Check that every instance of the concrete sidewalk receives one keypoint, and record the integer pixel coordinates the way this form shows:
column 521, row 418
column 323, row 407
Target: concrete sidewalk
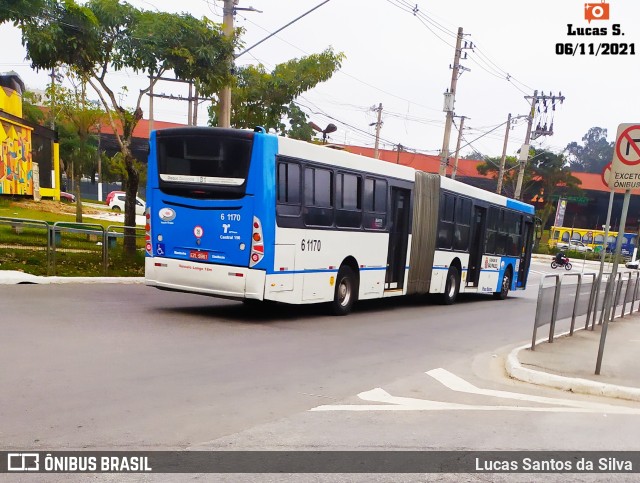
column 569, row 363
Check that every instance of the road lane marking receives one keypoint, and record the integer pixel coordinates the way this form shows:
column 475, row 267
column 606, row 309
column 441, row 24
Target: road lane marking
column 457, row 384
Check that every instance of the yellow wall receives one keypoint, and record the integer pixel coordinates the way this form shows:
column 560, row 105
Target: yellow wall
column 55, row 191
column 16, row 163
column 10, row 101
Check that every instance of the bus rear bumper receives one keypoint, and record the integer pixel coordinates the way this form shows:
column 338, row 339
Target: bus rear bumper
column 204, row 278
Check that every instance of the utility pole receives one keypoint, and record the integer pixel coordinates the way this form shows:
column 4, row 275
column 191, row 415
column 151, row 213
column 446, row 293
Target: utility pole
column 151, row 103
column 540, row 130
column 53, row 97
column 225, row 92
column 196, row 102
column 378, row 125
column 400, row 149
column 190, row 105
column 455, row 163
column 504, row 156
column 449, row 100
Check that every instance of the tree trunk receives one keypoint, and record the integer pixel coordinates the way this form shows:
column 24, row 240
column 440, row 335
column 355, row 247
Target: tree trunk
column 133, row 178
column 78, row 200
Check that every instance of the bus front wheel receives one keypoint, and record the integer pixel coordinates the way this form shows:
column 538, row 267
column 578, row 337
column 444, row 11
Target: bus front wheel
column 452, row 286
column 504, row 287
column 346, row 291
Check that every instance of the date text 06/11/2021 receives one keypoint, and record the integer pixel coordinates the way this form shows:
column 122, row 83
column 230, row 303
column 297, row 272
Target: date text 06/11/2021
column 595, row 49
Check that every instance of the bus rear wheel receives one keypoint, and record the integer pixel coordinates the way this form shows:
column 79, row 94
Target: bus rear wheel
column 452, row 286
column 504, row 287
column 346, row 291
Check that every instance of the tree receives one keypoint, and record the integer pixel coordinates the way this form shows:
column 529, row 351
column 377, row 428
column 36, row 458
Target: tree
column 491, row 167
column 300, row 127
column 11, row 9
column 473, row 155
column 595, row 153
column 262, row 98
column 550, row 177
column 77, row 119
column 102, row 36
column 30, row 110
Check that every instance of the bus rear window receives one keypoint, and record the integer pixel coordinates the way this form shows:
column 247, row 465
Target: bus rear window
column 203, row 166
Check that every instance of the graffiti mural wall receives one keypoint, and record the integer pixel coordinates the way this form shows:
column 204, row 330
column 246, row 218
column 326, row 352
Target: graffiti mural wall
column 22, row 143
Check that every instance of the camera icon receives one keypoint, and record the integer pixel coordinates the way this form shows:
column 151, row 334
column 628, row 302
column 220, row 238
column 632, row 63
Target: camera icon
column 23, row 462
column 596, row 11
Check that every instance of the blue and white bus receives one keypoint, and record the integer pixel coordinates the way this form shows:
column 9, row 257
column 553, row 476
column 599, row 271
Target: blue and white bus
column 257, row 217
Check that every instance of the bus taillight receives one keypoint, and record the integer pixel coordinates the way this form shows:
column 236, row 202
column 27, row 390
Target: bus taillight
column 147, row 232
column 257, row 243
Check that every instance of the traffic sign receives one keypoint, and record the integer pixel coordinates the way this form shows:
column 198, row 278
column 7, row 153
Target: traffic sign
column 625, row 166
column 606, row 172
column 606, row 176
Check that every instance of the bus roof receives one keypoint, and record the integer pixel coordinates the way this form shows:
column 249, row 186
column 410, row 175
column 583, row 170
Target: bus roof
column 320, row 153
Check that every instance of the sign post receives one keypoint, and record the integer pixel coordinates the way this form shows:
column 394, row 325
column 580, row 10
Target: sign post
column 625, row 173
column 606, row 172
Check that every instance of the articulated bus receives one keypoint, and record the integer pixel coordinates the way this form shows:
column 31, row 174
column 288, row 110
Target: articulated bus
column 256, row 217
column 593, row 238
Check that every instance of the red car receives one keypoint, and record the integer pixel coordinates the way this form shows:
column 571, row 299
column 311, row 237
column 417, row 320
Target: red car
column 64, row 196
column 111, row 195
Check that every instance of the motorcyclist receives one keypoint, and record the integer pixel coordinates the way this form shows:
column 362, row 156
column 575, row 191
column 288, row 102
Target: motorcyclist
column 560, row 257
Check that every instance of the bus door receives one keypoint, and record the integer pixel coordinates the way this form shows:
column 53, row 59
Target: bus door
column 398, row 239
column 477, row 245
column 525, row 253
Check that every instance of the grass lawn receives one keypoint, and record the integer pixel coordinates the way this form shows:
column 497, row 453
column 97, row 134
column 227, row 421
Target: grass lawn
column 23, row 247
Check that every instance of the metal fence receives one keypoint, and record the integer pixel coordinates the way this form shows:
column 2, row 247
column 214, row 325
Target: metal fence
column 559, row 299
column 65, row 242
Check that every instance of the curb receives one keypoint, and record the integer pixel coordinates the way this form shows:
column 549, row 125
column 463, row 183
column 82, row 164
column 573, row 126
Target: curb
column 14, row 278
column 571, row 384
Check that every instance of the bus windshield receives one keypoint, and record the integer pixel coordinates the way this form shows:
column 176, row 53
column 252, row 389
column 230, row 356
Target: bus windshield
column 203, row 166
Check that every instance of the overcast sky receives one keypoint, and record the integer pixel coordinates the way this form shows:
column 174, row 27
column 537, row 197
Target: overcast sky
column 402, row 60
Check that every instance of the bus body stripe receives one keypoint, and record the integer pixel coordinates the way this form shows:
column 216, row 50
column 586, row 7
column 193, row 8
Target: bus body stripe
column 520, row 206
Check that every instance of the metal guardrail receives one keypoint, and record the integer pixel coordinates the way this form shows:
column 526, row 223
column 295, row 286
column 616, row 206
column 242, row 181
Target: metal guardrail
column 551, row 306
column 112, row 233
column 71, row 227
column 52, row 233
column 19, row 223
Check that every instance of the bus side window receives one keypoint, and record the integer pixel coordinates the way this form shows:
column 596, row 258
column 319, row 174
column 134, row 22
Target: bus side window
column 348, row 200
column 375, row 204
column 318, row 197
column 288, row 189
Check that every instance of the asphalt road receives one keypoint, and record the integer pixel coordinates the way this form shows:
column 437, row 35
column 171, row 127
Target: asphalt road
column 131, row 367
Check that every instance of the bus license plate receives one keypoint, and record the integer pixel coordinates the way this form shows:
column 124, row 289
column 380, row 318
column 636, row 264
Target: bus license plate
column 196, row 255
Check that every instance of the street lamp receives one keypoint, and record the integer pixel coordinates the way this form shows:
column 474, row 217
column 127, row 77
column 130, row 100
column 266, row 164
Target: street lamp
column 327, row 130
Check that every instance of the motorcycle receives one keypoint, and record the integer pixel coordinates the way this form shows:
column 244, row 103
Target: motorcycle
column 563, row 263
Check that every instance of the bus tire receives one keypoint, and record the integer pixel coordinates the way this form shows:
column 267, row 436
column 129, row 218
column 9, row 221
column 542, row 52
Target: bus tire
column 346, row 291
column 452, row 287
column 504, row 286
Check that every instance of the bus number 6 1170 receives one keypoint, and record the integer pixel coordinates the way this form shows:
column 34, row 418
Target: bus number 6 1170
column 310, row 245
